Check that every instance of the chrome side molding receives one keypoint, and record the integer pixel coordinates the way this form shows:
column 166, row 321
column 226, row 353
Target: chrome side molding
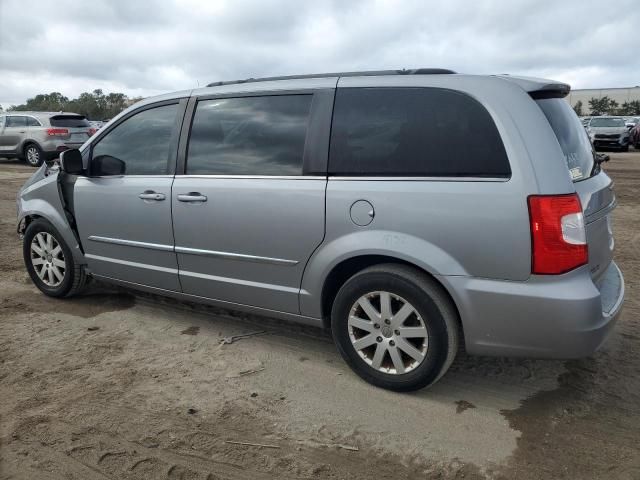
column 132, row 243
column 236, row 256
column 195, row 251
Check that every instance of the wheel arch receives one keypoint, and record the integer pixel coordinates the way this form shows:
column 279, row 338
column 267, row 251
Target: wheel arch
column 352, row 265
column 40, row 209
column 26, row 142
column 327, row 281
column 363, row 248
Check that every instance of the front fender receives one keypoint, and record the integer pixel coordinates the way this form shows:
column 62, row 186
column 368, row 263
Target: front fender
column 404, row 247
column 40, row 198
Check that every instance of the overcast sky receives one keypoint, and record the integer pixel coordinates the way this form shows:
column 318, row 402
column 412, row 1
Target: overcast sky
column 144, row 47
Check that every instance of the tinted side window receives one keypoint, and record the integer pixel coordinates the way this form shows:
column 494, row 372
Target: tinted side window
column 145, row 143
column 16, row 121
column 414, row 132
column 32, row 122
column 249, row 136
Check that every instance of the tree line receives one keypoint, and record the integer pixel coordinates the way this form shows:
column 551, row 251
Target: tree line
column 608, row 106
column 93, row 105
column 98, row 106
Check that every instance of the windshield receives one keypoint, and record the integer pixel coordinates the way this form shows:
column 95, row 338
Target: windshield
column 607, row 122
column 571, row 135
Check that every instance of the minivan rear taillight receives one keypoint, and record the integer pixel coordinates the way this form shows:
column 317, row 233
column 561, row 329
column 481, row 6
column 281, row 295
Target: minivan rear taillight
column 558, row 237
column 57, row 132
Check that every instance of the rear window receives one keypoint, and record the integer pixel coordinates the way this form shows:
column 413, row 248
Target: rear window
column 571, row 135
column 430, row 132
column 69, row 121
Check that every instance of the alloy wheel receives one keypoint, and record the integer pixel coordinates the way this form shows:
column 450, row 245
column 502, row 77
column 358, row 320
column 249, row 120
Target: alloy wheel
column 388, row 332
column 47, row 258
column 33, row 155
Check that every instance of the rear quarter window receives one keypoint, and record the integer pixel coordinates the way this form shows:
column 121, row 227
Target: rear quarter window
column 69, row 121
column 431, row 132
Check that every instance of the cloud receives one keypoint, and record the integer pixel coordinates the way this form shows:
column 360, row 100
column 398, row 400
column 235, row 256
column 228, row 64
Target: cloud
column 146, row 47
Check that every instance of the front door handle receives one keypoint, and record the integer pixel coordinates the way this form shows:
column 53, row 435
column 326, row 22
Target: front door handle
column 192, row 197
column 151, row 195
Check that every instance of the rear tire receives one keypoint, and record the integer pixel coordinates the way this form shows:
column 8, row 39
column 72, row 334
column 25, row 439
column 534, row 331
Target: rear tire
column 50, row 262
column 33, row 155
column 385, row 347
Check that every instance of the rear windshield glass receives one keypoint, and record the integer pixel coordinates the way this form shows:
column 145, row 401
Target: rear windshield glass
column 69, row 121
column 572, row 137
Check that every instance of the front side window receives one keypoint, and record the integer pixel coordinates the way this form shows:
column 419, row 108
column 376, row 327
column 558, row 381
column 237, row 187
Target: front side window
column 249, row 136
column 16, row 121
column 143, row 144
column 430, row 132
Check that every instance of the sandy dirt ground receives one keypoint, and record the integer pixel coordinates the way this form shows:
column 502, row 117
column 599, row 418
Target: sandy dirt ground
column 116, row 385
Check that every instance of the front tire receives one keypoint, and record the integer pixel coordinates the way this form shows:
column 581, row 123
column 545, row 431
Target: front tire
column 395, row 327
column 49, row 261
column 33, row 155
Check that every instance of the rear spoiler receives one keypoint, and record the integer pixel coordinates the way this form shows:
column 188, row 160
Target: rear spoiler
column 539, row 88
column 555, row 90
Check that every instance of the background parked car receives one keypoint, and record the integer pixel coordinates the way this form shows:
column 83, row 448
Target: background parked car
column 39, row 136
column 631, row 122
column 609, row 132
column 634, row 136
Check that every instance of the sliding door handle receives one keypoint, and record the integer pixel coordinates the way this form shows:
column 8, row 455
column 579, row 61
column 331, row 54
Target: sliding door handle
column 192, row 197
column 150, row 195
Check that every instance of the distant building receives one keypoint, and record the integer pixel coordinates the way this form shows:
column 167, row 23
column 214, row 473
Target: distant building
column 620, row 95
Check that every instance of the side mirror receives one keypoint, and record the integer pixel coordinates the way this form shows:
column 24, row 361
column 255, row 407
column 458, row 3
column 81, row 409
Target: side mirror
column 71, row 162
column 106, row 165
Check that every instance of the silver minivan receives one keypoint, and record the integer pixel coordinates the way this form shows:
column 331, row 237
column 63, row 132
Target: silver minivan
column 411, row 212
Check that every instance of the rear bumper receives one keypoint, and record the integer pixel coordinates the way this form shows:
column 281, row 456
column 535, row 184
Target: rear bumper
column 52, row 148
column 565, row 316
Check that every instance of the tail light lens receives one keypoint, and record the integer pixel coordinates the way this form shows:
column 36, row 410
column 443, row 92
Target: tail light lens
column 57, row 132
column 92, row 131
column 559, row 241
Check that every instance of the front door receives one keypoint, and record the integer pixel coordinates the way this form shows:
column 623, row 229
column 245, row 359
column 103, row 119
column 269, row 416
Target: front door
column 246, row 217
column 123, row 209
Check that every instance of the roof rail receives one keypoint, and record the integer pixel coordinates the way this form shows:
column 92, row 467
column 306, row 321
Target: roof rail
column 415, row 71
